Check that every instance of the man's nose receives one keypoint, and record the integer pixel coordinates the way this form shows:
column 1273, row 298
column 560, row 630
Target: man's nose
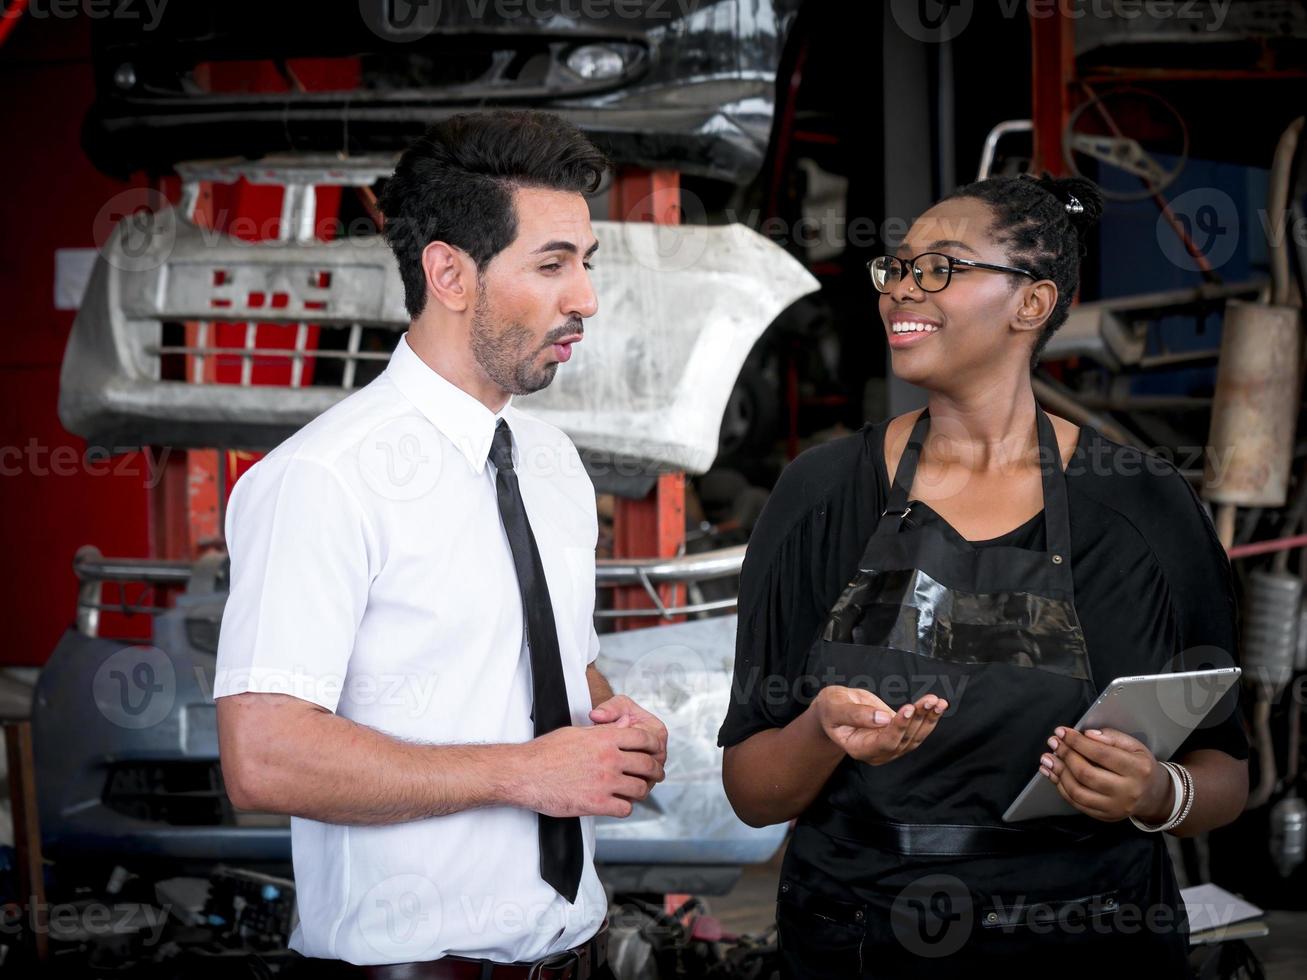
column 582, row 301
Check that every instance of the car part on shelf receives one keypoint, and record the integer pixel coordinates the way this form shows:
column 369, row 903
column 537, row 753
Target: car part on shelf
column 93, row 570
column 682, row 307
column 1255, row 408
column 138, row 776
column 687, row 85
column 1288, row 834
column 1270, row 624
column 1094, row 134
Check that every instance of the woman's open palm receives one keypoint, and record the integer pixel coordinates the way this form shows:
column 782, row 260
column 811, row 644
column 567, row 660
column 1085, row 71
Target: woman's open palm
column 868, row 730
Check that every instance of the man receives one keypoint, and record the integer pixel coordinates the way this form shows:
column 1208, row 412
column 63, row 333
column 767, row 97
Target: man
column 406, row 661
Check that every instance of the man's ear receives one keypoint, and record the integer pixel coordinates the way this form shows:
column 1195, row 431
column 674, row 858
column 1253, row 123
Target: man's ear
column 1037, row 302
column 451, row 276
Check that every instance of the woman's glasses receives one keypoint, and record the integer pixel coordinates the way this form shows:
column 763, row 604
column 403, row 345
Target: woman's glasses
column 932, row 271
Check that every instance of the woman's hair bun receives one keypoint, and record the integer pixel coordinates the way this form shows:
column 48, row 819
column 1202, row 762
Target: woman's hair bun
column 1081, row 198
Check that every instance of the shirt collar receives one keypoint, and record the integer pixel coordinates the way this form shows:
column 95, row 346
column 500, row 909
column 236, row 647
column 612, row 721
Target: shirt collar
column 462, row 419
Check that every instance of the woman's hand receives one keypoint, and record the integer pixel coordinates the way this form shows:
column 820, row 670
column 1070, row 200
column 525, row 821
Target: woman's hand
column 1108, row 775
column 867, row 729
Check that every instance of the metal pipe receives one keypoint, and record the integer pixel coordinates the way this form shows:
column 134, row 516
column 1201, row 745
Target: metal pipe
column 683, row 568
column 991, row 142
column 1277, row 208
column 1065, row 404
column 89, row 566
column 669, row 612
column 1266, row 547
column 93, row 568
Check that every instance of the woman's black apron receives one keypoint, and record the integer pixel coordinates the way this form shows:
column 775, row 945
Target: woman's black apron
column 908, row 865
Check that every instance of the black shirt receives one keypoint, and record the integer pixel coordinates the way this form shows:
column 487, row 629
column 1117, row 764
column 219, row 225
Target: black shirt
column 1153, row 587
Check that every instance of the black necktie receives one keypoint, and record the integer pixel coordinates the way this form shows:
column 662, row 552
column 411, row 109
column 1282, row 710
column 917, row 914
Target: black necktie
column 561, row 851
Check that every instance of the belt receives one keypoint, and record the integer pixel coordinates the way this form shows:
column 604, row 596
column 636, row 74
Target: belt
column 579, row 963
column 940, row 839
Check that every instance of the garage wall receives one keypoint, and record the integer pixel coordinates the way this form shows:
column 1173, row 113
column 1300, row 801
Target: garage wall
column 53, row 501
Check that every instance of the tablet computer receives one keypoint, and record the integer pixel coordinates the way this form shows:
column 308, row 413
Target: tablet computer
column 1159, row 710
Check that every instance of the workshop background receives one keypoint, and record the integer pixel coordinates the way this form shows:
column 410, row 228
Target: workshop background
column 191, row 271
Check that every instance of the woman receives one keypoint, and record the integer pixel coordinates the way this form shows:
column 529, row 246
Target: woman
column 1012, row 567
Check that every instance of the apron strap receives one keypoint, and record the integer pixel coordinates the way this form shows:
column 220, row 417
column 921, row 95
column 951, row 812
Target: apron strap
column 1057, row 511
column 897, row 503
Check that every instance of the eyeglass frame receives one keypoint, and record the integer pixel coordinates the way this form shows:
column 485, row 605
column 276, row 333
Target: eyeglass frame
column 911, row 264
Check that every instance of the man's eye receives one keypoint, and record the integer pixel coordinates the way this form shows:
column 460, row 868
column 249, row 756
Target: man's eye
column 589, row 265
column 550, row 267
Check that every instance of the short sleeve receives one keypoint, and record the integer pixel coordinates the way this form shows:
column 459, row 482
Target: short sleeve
column 300, row 574
column 593, row 653
column 1201, row 586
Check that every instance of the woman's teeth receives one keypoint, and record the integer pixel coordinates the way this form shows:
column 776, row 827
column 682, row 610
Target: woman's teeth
column 910, row 326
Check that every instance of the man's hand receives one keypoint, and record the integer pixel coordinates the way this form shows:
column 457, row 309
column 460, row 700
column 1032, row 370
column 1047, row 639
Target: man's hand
column 1108, row 775
column 625, row 713
column 868, row 730
column 595, row 770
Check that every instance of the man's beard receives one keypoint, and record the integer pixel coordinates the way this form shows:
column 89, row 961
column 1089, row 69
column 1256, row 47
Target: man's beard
column 508, row 356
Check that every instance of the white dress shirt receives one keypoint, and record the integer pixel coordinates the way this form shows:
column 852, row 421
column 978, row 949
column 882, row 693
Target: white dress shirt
column 370, row 574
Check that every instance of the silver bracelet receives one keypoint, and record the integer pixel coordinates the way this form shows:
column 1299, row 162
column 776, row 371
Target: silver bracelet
column 1179, row 790
column 1189, row 795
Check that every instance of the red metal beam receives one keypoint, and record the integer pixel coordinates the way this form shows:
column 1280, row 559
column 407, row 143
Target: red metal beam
column 1053, row 60
column 654, row 526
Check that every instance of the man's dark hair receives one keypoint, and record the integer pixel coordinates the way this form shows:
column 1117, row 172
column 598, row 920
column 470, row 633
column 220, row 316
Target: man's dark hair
column 455, row 185
column 1037, row 232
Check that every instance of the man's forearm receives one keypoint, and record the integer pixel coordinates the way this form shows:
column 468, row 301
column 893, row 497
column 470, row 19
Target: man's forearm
column 297, row 758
